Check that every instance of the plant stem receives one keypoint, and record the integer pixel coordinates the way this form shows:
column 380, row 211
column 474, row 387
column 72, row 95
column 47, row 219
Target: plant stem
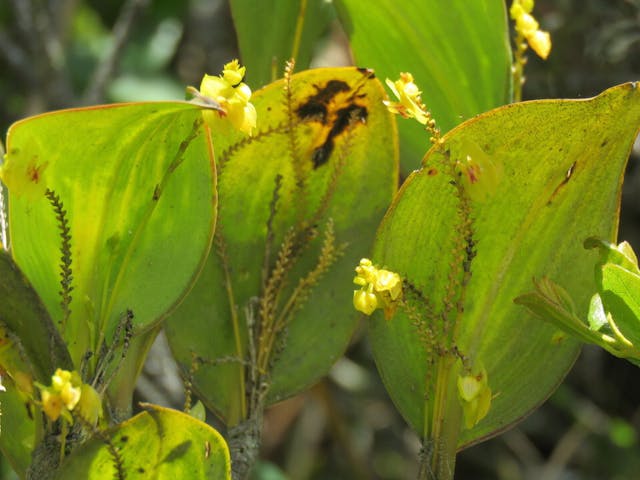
column 120, row 390
column 519, row 61
column 438, row 456
column 244, row 441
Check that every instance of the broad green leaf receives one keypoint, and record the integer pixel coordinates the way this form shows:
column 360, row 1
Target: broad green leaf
column 342, row 148
column 17, row 428
column 160, row 444
column 562, row 164
column 24, row 319
column 458, row 52
column 270, row 32
column 136, row 183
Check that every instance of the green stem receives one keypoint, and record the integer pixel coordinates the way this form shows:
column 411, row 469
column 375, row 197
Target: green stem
column 297, row 39
column 241, row 412
column 120, row 390
column 244, row 441
column 519, row 62
column 438, row 457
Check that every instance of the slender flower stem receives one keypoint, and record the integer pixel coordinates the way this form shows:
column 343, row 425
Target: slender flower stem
column 520, row 60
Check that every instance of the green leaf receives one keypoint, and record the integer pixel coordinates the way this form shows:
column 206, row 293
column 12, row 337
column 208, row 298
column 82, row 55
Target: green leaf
column 338, row 161
column 26, row 321
column 546, row 303
column 622, row 255
column 135, row 186
column 265, row 50
column 458, row 52
column 563, row 162
column 159, row 443
column 17, row 428
column 621, row 298
column 596, row 317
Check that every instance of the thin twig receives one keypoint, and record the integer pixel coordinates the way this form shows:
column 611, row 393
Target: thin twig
column 106, row 69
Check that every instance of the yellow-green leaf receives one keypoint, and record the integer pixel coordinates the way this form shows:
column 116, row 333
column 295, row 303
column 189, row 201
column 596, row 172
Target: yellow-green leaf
column 327, row 152
column 131, row 195
column 562, row 164
column 160, row 444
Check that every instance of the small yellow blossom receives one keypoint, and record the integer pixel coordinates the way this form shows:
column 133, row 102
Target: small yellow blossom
column 67, row 384
column 62, row 396
column 233, row 73
column 527, row 5
column 526, row 24
column 60, row 379
column 529, row 28
column 475, row 396
column 364, row 301
column 410, row 103
column 379, row 289
column 52, row 405
column 232, row 95
column 540, row 42
column 387, row 281
column 24, row 176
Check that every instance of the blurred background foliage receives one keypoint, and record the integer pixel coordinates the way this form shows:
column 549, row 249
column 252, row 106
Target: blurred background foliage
column 65, row 53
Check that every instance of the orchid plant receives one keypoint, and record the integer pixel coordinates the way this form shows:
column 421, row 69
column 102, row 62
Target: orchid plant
column 233, row 221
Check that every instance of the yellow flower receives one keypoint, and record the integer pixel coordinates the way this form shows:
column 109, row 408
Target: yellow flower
column 387, row 281
column 475, row 396
column 409, row 103
column 62, row 396
column 233, row 73
column 526, row 24
column 540, row 42
column 366, row 273
column 24, row 176
column 379, row 289
column 52, row 405
column 60, row 379
column 232, row 95
column 364, row 301
column 70, row 395
column 528, row 27
column 68, row 385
